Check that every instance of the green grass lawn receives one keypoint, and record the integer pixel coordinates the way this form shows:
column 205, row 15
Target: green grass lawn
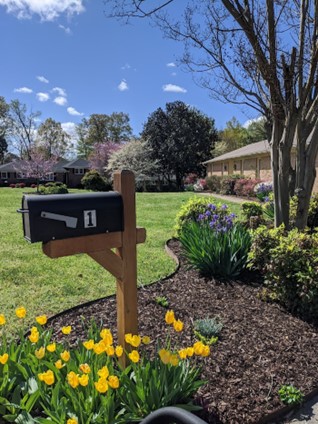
column 44, row 285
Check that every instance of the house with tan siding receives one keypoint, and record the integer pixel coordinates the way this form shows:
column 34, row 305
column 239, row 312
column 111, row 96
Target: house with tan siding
column 253, row 161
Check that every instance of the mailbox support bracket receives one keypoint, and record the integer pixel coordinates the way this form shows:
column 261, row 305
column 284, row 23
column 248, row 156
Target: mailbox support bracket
column 122, row 263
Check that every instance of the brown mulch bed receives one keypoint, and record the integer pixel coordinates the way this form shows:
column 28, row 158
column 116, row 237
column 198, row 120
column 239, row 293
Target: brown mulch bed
column 261, row 346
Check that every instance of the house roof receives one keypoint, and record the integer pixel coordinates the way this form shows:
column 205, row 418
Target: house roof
column 249, row 150
column 7, row 167
column 59, row 167
column 76, row 164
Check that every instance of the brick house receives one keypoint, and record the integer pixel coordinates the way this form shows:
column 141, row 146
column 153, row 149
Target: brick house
column 65, row 171
column 253, row 160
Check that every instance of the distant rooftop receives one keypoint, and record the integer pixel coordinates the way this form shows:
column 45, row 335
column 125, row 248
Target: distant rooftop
column 249, row 150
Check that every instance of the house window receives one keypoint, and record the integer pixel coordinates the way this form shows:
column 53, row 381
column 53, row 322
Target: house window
column 225, row 168
column 21, row 175
column 79, row 171
column 4, row 175
column 49, row 176
column 235, row 167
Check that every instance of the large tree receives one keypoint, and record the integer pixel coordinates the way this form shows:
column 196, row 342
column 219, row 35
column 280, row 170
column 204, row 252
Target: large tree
column 232, row 137
column 3, row 148
column 259, row 53
column 51, row 139
column 180, row 139
column 99, row 158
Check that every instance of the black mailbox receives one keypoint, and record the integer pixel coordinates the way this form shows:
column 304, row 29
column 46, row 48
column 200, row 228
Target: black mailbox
column 54, row 217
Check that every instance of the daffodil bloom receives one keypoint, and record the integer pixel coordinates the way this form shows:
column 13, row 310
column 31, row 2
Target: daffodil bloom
column 83, row 380
column 169, row 317
column 107, row 337
column 51, row 347
column 72, row 379
column 205, row 350
column 85, row 368
column 59, row 364
column 190, row 351
column 72, row 421
column 128, row 338
column 183, row 353
column 110, row 350
column 89, row 344
column 164, row 356
column 101, row 385
column 135, row 340
column 4, row 358
column 20, row 312
column 146, row 340
column 41, row 319
column 113, row 382
column 174, row 360
column 103, row 372
column 198, row 348
column 134, row 356
column 47, row 377
column 119, row 351
column 65, row 356
column 2, row 319
column 178, row 325
column 66, row 330
column 39, row 353
column 99, row 348
column 34, row 336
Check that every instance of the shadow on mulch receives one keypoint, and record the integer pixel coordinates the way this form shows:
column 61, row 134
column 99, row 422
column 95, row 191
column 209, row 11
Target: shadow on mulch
column 261, row 346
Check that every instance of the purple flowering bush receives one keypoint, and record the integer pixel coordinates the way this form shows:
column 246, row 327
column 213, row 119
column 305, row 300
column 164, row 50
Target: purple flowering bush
column 215, row 244
column 263, row 190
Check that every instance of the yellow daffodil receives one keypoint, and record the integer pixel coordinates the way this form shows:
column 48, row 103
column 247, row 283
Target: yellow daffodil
column 169, row 317
column 85, row 368
column 34, row 336
column 183, row 353
column 174, row 360
column 51, row 347
column 128, row 338
column 110, row 350
column 205, row 350
column 41, row 319
column 66, row 330
column 99, row 348
column 134, row 356
column 59, row 364
column 47, row 377
column 65, row 356
column 113, row 382
column 72, row 421
column 83, row 380
column 198, row 348
column 39, row 353
column 2, row 319
column 146, row 340
column 20, row 312
column 107, row 337
column 164, row 356
column 72, row 379
column 133, row 340
column 178, row 325
column 101, row 385
column 103, row 372
column 89, row 344
column 119, row 351
column 4, row 358
column 190, row 351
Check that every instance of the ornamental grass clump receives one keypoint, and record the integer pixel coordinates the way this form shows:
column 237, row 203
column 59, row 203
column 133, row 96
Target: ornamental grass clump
column 216, row 245
column 46, row 381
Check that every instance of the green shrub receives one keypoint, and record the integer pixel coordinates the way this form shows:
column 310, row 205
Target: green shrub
column 312, row 220
column 290, row 264
column 215, row 252
column 53, row 188
column 289, row 395
column 228, row 184
column 214, row 183
column 92, row 180
column 269, row 207
column 191, row 210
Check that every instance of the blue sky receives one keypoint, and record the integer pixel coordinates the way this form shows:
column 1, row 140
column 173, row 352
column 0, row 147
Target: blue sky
column 67, row 60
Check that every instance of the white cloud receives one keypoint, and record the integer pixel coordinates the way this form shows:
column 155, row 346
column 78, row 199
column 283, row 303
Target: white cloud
column 41, row 78
column 43, row 97
column 61, row 101
column 74, row 112
column 67, row 30
column 24, row 90
column 126, row 66
column 48, row 10
column 250, row 121
column 173, row 88
column 123, row 86
column 60, row 91
column 171, row 65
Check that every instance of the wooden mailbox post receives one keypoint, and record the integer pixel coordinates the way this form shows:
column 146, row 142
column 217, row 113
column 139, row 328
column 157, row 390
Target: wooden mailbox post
column 122, row 264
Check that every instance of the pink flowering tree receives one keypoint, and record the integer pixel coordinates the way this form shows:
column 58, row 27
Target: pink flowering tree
column 99, row 158
column 38, row 166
